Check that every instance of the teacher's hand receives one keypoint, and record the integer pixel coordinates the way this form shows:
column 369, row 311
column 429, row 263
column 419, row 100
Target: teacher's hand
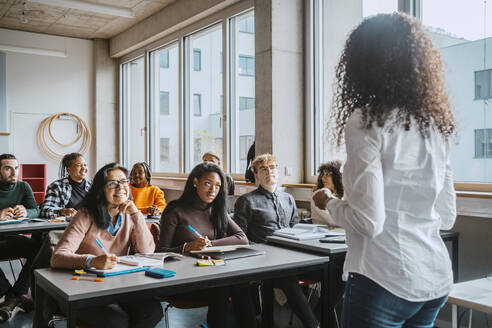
column 321, row 198
column 104, row 262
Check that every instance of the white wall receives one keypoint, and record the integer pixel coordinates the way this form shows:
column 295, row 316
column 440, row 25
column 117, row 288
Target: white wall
column 39, row 86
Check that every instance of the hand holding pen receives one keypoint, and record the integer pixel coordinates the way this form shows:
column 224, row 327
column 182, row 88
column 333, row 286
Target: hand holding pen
column 104, row 261
column 197, row 244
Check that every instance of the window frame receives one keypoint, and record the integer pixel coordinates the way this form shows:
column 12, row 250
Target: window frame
column 222, row 17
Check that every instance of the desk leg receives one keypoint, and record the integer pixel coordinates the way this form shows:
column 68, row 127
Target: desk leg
column 267, row 311
column 38, row 317
column 454, row 246
column 72, row 317
column 327, row 278
column 454, row 315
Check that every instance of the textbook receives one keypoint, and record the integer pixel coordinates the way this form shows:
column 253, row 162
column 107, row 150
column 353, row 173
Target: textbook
column 144, row 261
column 158, row 257
column 303, row 231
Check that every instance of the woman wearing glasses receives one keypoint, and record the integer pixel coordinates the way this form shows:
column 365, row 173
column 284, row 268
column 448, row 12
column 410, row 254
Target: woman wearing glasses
column 106, row 214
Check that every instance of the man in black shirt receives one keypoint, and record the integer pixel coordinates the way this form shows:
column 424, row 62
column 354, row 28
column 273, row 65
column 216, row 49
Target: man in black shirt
column 259, row 213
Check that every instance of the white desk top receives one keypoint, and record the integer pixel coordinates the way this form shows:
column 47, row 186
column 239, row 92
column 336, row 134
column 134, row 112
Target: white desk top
column 275, row 259
column 313, row 245
column 473, row 294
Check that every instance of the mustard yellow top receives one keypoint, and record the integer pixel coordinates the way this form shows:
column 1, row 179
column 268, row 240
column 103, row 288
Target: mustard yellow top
column 148, row 196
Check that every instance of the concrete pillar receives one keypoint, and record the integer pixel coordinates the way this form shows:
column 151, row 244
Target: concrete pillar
column 279, row 79
column 106, row 111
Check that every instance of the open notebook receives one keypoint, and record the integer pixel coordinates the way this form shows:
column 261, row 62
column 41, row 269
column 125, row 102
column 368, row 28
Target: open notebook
column 144, row 261
column 303, row 231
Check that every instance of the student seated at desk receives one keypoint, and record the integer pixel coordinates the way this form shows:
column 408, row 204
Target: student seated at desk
column 203, row 207
column 106, row 214
column 259, row 213
column 148, row 199
column 16, row 200
column 329, row 178
column 64, row 196
column 212, row 157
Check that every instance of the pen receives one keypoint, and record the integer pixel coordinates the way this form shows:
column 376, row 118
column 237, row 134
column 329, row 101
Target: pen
column 89, row 279
column 194, row 231
column 118, row 260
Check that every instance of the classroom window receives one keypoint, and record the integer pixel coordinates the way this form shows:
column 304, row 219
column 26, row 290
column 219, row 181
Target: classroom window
column 189, row 104
column 164, row 102
column 246, row 65
column 483, row 143
column 164, row 59
column 244, row 143
column 164, row 113
column 246, row 103
column 197, row 60
column 133, row 133
column 483, row 84
column 197, row 104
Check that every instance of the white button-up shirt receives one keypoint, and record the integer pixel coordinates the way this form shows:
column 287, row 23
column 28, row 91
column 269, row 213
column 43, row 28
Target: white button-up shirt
column 399, row 193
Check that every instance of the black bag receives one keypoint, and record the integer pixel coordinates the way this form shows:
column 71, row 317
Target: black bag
column 249, row 175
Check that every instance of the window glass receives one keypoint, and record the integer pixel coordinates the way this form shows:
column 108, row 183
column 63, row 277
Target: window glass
column 204, row 125
column 133, row 112
column 247, row 25
column 164, row 109
column 243, row 86
column 331, row 30
column 461, row 31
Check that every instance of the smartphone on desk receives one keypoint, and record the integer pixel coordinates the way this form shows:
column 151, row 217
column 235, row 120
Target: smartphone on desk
column 159, row 273
column 333, row 239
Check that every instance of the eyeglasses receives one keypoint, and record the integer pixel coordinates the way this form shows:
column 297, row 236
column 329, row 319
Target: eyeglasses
column 265, row 169
column 113, row 184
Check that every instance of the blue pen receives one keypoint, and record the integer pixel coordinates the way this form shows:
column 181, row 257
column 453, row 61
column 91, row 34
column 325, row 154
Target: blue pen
column 194, row 231
column 100, row 245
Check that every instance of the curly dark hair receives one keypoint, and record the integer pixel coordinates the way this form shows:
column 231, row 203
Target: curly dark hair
column 332, row 168
column 147, row 171
column 389, row 65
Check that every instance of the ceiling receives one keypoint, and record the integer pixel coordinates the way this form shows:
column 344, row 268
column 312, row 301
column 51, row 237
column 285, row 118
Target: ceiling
column 77, row 23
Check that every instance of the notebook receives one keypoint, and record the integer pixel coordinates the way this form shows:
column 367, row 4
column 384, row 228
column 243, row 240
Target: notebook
column 231, row 255
column 144, row 263
column 12, row 221
column 220, row 249
column 303, row 231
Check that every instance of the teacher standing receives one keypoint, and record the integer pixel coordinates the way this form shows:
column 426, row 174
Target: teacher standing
column 391, row 109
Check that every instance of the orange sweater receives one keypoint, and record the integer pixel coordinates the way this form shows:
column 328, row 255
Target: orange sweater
column 148, row 196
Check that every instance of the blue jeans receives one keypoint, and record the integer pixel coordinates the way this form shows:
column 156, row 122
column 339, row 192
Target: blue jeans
column 368, row 305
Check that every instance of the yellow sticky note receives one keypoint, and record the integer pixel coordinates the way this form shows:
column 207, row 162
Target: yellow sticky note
column 81, row 271
column 204, row 263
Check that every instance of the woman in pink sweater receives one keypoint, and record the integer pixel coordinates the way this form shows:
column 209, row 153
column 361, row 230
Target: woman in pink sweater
column 108, row 215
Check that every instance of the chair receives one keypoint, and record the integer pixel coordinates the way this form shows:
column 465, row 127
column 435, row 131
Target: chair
column 179, row 304
column 305, row 283
column 155, row 230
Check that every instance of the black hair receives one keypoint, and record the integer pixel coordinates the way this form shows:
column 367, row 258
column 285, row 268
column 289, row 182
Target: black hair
column 147, row 171
column 6, row 156
column 95, row 202
column 66, row 161
column 332, row 168
column 219, row 209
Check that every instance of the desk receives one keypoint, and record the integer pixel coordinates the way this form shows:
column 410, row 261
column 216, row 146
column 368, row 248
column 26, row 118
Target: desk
column 277, row 262
column 30, row 227
column 473, row 294
column 336, row 253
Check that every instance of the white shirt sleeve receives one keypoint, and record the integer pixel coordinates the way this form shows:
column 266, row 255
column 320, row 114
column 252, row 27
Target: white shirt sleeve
column 446, row 200
column 364, row 210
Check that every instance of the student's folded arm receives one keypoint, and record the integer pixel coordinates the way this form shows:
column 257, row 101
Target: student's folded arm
column 51, row 205
column 142, row 239
column 364, row 209
column 64, row 255
column 235, row 236
column 169, row 222
column 159, row 200
column 446, row 200
column 29, row 203
column 242, row 213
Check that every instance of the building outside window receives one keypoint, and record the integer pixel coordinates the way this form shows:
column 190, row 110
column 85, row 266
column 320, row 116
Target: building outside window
column 483, row 84
column 246, row 103
column 246, row 65
column 483, row 143
column 197, row 60
column 244, row 143
column 197, row 104
column 247, row 25
column 164, row 102
column 164, row 150
column 164, row 59
column 197, row 150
